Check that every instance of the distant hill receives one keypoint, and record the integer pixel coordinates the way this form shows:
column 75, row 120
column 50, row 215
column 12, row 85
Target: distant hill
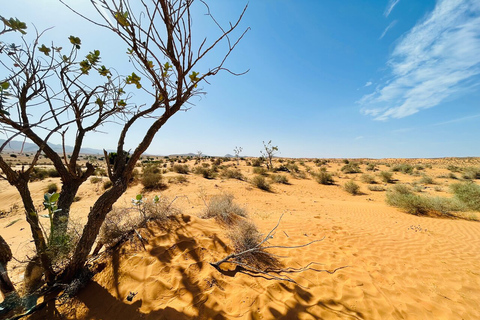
column 18, row 146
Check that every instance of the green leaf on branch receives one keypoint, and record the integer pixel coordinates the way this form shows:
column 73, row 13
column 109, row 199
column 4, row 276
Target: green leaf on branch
column 15, row 24
column 44, row 50
column 194, row 77
column 99, row 102
column 85, row 66
column 122, row 103
column 122, row 18
column 4, row 85
column 104, row 71
column 134, row 79
column 93, row 57
column 75, row 41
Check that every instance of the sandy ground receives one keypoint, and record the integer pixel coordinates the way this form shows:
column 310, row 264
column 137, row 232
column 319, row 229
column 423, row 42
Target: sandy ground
column 397, row 266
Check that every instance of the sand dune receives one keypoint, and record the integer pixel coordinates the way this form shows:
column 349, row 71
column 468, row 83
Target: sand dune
column 398, row 266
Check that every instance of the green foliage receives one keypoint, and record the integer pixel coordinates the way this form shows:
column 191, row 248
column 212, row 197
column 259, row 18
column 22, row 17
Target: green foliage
column 351, row 167
column 182, row 169
column 152, row 178
column 45, row 50
column 371, row 167
column 52, row 188
column 386, row 176
column 367, row 178
column 471, row 173
column 75, row 41
column 232, row 174
column 95, row 180
column 375, row 188
column 122, row 18
column 468, row 193
column 351, row 187
column 260, row 170
column 404, row 168
column 14, row 24
column 426, row 180
column 134, row 79
column 261, row 183
column 279, row 178
column 205, row 171
column 323, row 177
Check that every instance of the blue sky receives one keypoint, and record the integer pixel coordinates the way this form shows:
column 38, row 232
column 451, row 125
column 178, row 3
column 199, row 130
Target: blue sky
column 393, row 78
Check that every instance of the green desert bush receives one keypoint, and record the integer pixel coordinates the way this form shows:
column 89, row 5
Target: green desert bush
column 228, row 173
column 206, row 172
column 181, row 168
column 468, row 193
column 367, row 178
column 52, row 188
column 426, row 180
column 351, row 167
column 471, row 173
column 279, row 178
column 386, row 176
column 415, row 204
column 152, row 178
column 453, row 168
column 375, row 188
column 371, row 167
column 261, row 183
column 351, row 187
column 404, row 168
column 95, row 180
column 223, row 209
column 178, row 179
column 260, row 170
column 323, row 177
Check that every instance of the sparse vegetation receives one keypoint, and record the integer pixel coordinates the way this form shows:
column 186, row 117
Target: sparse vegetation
column 323, row 177
column 228, row 173
column 468, row 193
column 386, row 176
column 375, row 188
column 152, row 178
column 261, row 183
column 351, row 187
column 367, row 178
column 181, row 168
column 223, row 209
column 403, row 168
column 52, row 188
column 351, row 167
column 427, row 180
column 279, row 178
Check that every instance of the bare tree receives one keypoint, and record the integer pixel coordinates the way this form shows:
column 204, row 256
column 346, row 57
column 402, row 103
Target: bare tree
column 237, row 151
column 269, row 153
column 167, row 67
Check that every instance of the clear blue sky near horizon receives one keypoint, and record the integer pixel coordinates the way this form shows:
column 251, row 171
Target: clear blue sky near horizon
column 348, row 79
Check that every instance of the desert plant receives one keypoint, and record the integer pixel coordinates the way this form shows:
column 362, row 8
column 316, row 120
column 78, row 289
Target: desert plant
column 404, row 168
column 152, row 178
column 178, row 179
column 468, row 193
column 351, row 167
column 371, row 167
column 366, row 178
column 268, row 153
column 223, row 209
column 323, row 177
column 95, row 180
column 386, row 176
column 179, row 168
column 52, row 188
column 351, row 187
column 260, row 170
column 261, row 183
column 232, row 174
column 426, row 180
column 279, row 178
column 375, row 188
column 107, row 184
column 471, row 173
column 207, row 173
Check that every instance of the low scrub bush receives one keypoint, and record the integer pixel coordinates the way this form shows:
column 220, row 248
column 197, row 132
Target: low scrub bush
column 427, row 180
column 223, row 209
column 404, row 168
column 367, row 178
column 351, row 187
column 261, row 183
column 279, row 178
column 260, row 170
column 52, row 188
column 471, row 173
column 371, row 167
column 375, row 188
column 228, row 173
column 468, row 193
column 351, row 167
column 386, row 176
column 181, row 168
column 206, row 172
column 95, row 180
column 178, row 179
column 152, row 178
column 323, row 177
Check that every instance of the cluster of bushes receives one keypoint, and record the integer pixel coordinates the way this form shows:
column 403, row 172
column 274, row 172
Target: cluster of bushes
column 351, row 187
column 323, row 177
column 206, row 171
column 351, row 167
column 403, row 168
column 41, row 173
column 152, row 178
column 228, row 173
column 180, row 168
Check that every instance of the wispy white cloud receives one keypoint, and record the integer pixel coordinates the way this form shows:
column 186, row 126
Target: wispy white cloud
column 438, row 57
column 458, row 120
column 368, row 84
column 391, row 25
column 391, row 4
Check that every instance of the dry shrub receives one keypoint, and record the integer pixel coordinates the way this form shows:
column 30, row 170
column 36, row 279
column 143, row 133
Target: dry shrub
column 351, row 187
column 323, row 177
column 386, row 176
column 181, row 168
column 232, row 174
column 245, row 236
column 261, row 183
column 279, row 178
column 223, row 209
column 95, row 180
column 178, row 179
column 468, row 193
column 367, row 178
column 152, row 178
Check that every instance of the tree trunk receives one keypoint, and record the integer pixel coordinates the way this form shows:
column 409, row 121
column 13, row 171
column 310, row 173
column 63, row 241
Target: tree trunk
column 6, row 285
column 97, row 215
column 67, row 195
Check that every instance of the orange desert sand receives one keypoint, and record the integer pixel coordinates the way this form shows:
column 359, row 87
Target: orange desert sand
column 397, row 265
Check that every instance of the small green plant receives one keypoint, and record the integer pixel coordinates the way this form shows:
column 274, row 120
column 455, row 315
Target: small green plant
column 232, row 174
column 404, row 168
column 375, row 188
column 52, row 188
column 371, row 167
column 471, row 173
column 261, row 183
column 386, row 176
column 323, row 177
column 260, row 170
column 95, row 180
column 152, row 178
column 351, row 167
column 279, row 178
column 178, row 179
column 182, row 169
column 367, row 178
column 206, row 172
column 468, row 193
column 427, row 180
column 351, row 187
